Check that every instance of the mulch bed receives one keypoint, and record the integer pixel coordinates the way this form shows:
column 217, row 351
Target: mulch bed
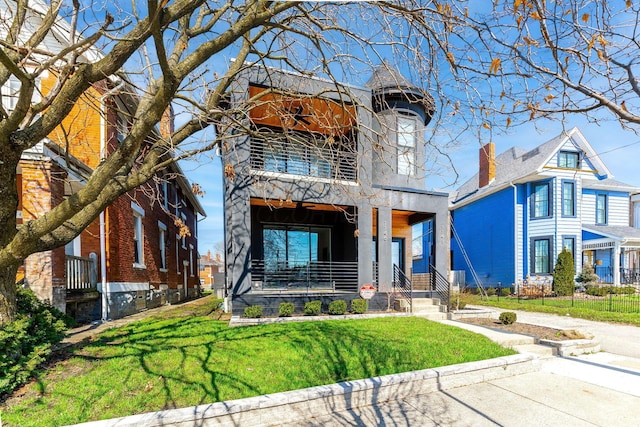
column 540, row 332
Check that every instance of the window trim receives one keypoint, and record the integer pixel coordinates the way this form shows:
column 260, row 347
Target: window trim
column 574, row 206
column 574, row 238
column 567, row 153
column 605, row 209
column 532, row 264
column 162, row 244
column 138, row 235
column 549, row 186
column 409, row 151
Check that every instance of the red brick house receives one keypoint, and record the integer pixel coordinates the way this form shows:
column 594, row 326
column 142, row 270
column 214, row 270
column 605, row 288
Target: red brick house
column 142, row 251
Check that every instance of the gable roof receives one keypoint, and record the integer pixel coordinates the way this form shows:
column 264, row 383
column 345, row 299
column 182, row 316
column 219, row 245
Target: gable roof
column 517, row 165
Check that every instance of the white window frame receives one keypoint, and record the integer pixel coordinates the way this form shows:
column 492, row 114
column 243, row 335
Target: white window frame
column 162, row 243
column 406, row 145
column 184, row 237
column 138, row 235
column 10, row 93
column 191, row 260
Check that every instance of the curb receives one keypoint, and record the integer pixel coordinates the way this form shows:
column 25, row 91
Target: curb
column 298, row 405
column 572, row 347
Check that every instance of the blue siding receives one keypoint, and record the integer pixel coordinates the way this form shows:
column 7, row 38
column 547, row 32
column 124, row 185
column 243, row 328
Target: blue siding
column 587, row 235
column 486, row 230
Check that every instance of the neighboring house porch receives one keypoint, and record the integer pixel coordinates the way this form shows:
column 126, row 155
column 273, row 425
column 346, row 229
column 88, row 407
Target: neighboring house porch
column 614, row 253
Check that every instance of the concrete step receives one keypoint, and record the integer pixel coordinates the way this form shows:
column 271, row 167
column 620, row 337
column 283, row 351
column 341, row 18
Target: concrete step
column 432, row 316
column 541, row 350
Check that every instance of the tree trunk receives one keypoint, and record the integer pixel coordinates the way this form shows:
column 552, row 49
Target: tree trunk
column 8, row 208
column 8, row 294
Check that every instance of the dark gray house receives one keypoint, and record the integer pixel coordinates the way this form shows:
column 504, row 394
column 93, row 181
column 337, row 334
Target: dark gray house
column 325, row 191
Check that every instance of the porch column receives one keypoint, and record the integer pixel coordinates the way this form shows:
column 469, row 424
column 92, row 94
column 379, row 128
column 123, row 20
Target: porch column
column 616, row 264
column 385, row 265
column 365, row 241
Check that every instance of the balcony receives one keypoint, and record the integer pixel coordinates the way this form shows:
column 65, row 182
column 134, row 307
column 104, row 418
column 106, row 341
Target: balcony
column 303, row 158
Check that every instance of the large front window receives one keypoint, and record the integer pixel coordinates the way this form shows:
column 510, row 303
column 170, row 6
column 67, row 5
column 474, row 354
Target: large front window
column 541, row 202
column 406, row 146
column 293, row 255
column 542, row 256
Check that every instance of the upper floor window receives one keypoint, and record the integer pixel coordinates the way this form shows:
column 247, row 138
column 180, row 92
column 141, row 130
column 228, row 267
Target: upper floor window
column 165, row 195
column 541, row 200
column 122, row 126
column 601, row 208
column 406, row 134
column 569, row 159
column 569, row 243
column 568, row 198
column 10, row 94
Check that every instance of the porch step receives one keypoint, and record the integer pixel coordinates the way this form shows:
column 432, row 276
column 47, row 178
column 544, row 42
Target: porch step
column 423, row 307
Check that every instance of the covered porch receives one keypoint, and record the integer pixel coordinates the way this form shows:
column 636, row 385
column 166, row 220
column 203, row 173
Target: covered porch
column 614, row 254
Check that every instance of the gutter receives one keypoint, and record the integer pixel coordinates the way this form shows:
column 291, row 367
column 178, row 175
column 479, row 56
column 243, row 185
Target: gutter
column 515, row 231
column 103, row 242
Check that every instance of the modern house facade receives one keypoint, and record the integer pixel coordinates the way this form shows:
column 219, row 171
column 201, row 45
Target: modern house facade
column 323, row 184
column 142, row 251
column 513, row 218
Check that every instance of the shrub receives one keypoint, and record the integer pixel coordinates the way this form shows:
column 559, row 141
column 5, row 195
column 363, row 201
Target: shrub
column 359, row 306
column 597, row 291
column 507, row 318
column 563, row 274
column 459, row 300
column 285, row 309
column 587, row 277
column 312, row 308
column 627, row 290
column 491, row 291
column 338, row 306
column 253, row 311
column 28, row 341
column 505, row 292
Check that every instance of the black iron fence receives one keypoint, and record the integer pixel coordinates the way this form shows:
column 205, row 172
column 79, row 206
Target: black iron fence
column 440, row 285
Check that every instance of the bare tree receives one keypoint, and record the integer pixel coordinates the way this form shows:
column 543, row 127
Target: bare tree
column 527, row 59
column 163, row 53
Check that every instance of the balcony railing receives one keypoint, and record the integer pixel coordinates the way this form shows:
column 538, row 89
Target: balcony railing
column 80, row 273
column 303, row 159
column 294, row 276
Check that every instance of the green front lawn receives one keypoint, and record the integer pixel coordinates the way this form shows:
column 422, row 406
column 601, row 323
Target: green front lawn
column 594, row 309
column 191, row 358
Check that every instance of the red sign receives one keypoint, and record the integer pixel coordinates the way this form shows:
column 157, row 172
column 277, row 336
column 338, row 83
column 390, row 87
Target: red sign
column 367, row 291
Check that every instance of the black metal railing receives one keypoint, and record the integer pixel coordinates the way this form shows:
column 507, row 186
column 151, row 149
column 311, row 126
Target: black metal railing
column 303, row 159
column 402, row 287
column 630, row 276
column 440, row 285
column 312, row 276
column 80, row 273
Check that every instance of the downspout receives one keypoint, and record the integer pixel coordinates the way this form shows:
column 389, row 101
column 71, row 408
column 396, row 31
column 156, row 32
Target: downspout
column 103, row 243
column 515, row 232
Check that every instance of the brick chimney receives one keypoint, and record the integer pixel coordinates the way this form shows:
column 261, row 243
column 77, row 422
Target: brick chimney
column 167, row 122
column 487, row 165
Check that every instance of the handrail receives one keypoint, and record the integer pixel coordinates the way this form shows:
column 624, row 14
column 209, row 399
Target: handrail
column 441, row 286
column 313, row 275
column 305, row 159
column 402, row 286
